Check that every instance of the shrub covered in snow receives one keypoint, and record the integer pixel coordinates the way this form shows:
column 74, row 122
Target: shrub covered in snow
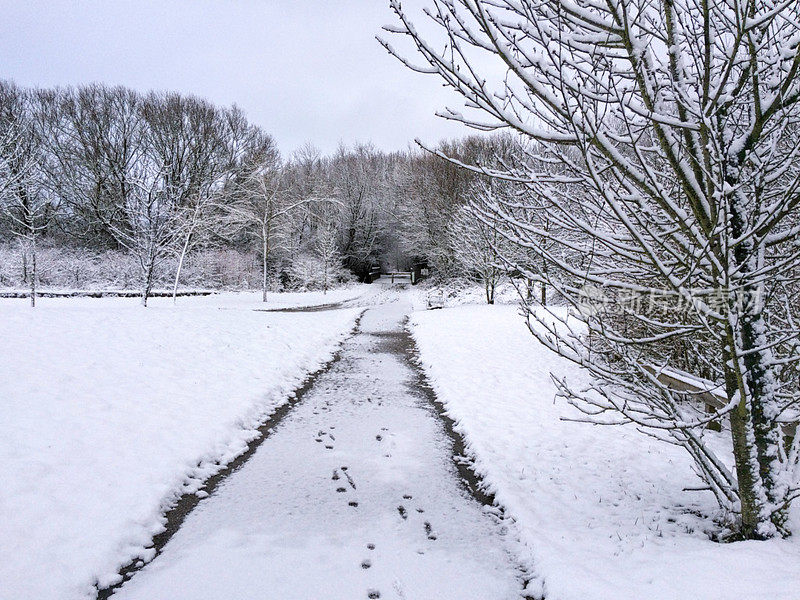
column 311, row 272
column 61, row 266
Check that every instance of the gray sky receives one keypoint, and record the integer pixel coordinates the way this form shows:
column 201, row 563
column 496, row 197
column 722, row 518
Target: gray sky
column 305, row 70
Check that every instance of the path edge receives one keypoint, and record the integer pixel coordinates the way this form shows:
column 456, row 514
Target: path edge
column 184, row 504
column 463, row 458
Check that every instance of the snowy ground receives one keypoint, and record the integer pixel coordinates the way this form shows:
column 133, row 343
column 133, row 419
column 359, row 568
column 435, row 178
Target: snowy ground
column 109, row 410
column 600, row 512
column 354, row 495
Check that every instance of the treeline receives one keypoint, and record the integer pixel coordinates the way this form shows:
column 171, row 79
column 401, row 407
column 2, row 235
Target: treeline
column 107, row 186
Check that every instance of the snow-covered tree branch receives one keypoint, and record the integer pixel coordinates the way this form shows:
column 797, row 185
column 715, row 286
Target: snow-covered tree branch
column 662, row 148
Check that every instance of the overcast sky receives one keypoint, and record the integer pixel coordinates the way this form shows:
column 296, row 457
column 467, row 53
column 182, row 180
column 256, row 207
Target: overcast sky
column 305, row 70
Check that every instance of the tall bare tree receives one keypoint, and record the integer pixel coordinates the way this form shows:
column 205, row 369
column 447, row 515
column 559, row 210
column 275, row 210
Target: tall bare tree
column 150, row 228
column 25, row 197
column 197, row 145
column 480, row 249
column 674, row 126
column 262, row 204
column 96, row 142
column 358, row 184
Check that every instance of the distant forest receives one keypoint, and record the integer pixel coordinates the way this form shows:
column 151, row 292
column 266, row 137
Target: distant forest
column 107, row 187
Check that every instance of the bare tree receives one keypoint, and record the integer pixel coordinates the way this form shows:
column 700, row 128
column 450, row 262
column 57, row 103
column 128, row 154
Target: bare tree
column 24, row 194
column 357, row 179
column 95, row 143
column 309, row 190
column 674, row 125
column 199, row 146
column 425, row 210
column 432, row 191
column 262, row 204
column 150, row 229
column 475, row 247
column 119, row 171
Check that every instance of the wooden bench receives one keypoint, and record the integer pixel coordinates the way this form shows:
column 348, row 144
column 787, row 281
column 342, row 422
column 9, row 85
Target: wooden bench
column 712, row 394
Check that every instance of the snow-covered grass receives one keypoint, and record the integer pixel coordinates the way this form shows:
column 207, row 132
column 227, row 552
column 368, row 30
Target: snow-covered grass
column 600, row 511
column 460, row 292
column 276, row 300
column 109, row 410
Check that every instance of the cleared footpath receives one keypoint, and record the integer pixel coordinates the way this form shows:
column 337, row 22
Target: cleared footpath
column 353, row 495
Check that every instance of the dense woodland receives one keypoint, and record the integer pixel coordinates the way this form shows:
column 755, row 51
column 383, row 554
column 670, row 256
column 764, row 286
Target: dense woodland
column 106, row 187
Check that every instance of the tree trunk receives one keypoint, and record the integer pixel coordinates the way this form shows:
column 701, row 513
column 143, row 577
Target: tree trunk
column 24, row 256
column 757, row 385
column 34, row 274
column 325, row 278
column 749, row 376
column 751, row 495
column 543, row 284
column 148, row 281
column 184, row 250
column 264, row 278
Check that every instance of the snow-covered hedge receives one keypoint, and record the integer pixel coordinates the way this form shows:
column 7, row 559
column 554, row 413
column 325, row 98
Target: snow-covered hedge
column 80, row 268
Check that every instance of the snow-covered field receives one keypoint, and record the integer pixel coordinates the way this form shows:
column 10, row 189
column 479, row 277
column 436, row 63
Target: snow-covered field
column 109, row 410
column 600, row 511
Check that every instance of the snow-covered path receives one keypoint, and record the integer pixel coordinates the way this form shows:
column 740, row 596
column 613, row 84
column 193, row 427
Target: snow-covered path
column 353, row 495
